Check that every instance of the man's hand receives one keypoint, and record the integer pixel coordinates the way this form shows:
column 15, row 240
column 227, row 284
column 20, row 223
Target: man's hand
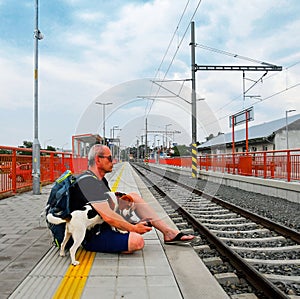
column 116, row 220
column 148, row 221
column 142, row 227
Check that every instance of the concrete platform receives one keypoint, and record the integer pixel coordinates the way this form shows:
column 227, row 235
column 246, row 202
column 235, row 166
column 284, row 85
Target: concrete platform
column 31, row 268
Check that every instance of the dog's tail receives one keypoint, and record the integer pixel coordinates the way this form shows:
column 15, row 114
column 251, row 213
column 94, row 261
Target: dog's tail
column 55, row 220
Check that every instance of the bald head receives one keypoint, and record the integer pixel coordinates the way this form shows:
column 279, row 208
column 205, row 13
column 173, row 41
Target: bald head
column 96, row 150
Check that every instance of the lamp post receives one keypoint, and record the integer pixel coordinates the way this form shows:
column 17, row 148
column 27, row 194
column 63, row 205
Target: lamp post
column 119, row 148
column 137, row 148
column 286, row 126
column 167, row 135
column 103, row 105
column 154, row 142
column 114, row 128
column 113, row 137
column 36, row 147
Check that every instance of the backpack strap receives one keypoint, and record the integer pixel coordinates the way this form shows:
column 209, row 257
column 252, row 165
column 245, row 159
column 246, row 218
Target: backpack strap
column 66, row 174
column 86, row 174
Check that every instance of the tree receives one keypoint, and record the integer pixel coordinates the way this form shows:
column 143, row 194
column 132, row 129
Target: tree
column 4, row 151
column 51, row 148
column 181, row 150
column 26, row 144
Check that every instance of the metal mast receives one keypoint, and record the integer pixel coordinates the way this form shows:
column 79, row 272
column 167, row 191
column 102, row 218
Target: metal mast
column 194, row 111
column 36, row 144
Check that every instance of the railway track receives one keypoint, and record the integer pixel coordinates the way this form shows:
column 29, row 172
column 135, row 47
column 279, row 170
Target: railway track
column 245, row 252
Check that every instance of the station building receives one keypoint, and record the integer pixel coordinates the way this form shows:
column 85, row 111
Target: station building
column 264, row 137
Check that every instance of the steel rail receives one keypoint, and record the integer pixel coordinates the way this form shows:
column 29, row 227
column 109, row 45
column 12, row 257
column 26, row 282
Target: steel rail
column 252, row 275
column 281, row 229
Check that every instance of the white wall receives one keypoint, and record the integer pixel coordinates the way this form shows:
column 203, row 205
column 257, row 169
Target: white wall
column 294, row 139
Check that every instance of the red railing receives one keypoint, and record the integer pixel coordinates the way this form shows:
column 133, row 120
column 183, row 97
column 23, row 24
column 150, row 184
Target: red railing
column 281, row 164
column 16, row 168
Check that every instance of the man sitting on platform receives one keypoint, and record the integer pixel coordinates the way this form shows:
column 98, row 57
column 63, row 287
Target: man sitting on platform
column 93, row 190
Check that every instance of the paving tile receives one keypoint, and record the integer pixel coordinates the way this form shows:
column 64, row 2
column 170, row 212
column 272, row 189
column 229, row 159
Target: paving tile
column 92, row 293
column 164, row 292
column 136, row 292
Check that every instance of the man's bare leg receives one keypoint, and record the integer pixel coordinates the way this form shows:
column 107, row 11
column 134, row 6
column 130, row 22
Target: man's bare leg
column 144, row 211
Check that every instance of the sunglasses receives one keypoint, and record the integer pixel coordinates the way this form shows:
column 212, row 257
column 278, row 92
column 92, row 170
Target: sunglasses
column 109, row 158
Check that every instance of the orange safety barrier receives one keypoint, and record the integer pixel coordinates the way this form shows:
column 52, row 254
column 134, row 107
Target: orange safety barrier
column 177, row 161
column 16, row 168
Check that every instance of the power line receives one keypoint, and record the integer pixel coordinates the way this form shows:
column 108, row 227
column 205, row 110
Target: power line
column 279, row 92
column 163, row 59
column 171, row 41
column 287, row 68
column 185, row 32
column 262, row 100
column 268, row 77
column 231, row 54
column 178, row 47
column 292, row 65
column 216, row 51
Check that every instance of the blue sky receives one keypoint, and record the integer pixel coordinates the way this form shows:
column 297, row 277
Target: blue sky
column 107, row 50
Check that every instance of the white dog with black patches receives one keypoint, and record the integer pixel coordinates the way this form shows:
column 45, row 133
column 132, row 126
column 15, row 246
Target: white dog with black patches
column 84, row 219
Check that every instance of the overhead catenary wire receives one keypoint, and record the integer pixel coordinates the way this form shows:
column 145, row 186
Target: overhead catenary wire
column 231, row 54
column 286, row 69
column 219, row 52
column 182, row 39
column 172, row 39
column 247, row 59
column 251, row 60
column 266, row 78
column 177, row 48
column 261, row 100
column 166, row 52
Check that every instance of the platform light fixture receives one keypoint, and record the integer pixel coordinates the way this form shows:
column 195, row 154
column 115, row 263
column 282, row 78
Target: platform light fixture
column 103, row 105
column 166, row 126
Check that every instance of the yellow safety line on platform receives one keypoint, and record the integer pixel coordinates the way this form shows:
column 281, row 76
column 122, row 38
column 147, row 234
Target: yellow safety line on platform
column 75, row 277
column 74, row 280
column 117, row 181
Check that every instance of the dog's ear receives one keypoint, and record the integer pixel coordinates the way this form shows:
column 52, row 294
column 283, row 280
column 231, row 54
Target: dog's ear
column 127, row 197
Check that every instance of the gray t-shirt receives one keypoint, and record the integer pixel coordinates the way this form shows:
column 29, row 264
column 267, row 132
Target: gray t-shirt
column 88, row 189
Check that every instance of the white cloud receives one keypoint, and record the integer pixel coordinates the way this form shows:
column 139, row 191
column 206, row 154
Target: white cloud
column 88, row 16
column 99, row 45
column 16, row 82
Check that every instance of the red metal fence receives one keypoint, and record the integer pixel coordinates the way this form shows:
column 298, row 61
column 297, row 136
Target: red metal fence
column 281, row 164
column 16, row 168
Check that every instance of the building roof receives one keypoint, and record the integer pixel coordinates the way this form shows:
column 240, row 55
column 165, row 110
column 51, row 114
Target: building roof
column 264, row 130
column 88, row 138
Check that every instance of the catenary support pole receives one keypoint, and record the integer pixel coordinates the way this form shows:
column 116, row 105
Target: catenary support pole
column 194, row 110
